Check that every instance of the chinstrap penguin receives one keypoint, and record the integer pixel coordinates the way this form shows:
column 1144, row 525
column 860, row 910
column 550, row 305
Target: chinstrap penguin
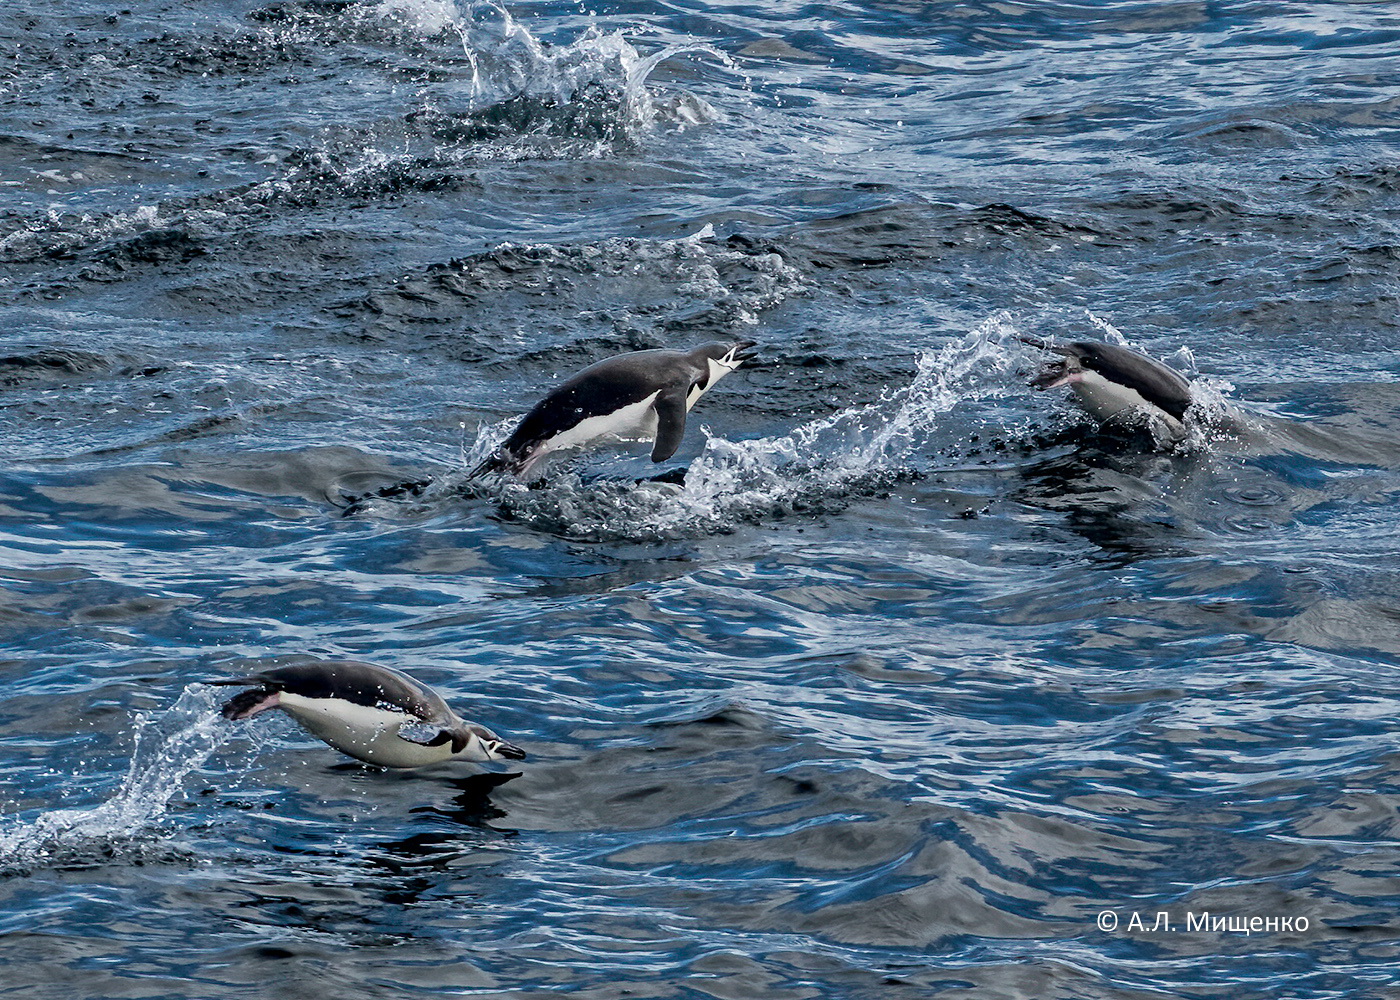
column 643, row 396
column 372, row 713
column 1116, row 385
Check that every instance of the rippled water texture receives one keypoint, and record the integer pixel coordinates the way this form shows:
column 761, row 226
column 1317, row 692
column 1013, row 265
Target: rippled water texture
column 914, row 686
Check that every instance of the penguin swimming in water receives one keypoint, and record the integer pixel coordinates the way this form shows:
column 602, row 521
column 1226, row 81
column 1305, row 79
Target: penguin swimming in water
column 643, row 396
column 1117, row 385
column 372, row 713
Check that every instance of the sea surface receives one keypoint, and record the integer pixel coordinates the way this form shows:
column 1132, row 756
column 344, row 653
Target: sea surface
column 916, row 686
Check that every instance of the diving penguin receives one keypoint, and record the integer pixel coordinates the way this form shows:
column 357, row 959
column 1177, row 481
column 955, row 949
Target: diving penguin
column 372, row 713
column 1117, row 385
column 643, row 396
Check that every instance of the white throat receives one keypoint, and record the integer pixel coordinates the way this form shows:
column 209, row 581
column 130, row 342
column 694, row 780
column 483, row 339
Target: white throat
column 719, row 367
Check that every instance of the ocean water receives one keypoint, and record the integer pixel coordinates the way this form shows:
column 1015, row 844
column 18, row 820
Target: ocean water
column 914, row 687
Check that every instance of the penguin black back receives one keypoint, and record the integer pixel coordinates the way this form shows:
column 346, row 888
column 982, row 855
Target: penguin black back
column 343, row 680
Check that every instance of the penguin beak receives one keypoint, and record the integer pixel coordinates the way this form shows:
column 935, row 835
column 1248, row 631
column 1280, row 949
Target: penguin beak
column 741, row 353
column 491, row 746
column 507, row 751
column 1060, row 371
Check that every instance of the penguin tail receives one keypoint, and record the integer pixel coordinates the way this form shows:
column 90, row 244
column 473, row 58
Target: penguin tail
column 490, row 466
column 498, row 462
column 247, row 704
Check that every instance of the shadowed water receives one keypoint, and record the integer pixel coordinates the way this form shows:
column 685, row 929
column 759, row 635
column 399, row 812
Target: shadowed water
column 912, row 684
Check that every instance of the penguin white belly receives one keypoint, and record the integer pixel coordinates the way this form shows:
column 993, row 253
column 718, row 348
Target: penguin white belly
column 363, row 731
column 1107, row 400
column 633, row 422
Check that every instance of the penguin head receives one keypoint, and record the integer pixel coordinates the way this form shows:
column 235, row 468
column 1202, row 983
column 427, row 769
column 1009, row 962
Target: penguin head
column 718, row 360
column 737, row 354
column 724, row 358
column 479, row 743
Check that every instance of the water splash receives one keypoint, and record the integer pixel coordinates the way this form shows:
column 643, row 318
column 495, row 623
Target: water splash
column 595, row 84
column 168, row 746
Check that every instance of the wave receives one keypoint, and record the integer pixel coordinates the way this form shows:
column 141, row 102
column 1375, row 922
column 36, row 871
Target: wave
column 645, row 290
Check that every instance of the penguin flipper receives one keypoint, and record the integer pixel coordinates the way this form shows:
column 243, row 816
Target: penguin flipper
column 670, row 424
column 425, row 734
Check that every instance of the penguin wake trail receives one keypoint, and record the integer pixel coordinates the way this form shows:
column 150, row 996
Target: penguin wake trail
column 168, row 747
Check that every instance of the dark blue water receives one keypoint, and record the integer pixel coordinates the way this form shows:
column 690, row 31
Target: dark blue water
column 914, row 688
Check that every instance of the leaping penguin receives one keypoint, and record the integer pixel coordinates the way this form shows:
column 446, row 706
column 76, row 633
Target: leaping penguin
column 1115, row 384
column 643, row 396
column 372, row 713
